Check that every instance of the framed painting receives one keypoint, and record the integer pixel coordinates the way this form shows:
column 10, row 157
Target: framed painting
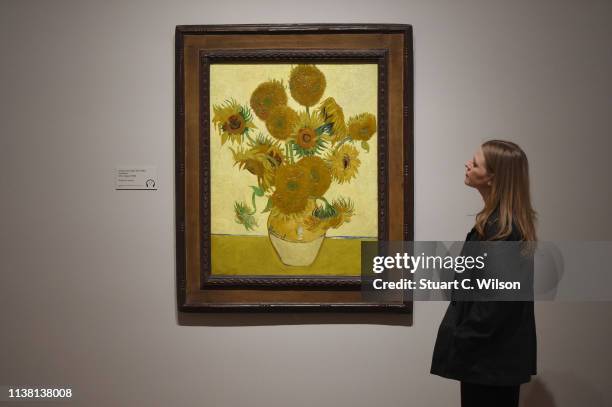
column 294, row 145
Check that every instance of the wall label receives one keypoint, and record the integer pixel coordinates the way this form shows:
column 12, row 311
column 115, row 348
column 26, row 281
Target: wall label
column 133, row 177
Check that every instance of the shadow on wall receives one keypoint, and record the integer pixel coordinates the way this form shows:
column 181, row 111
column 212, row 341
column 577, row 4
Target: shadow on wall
column 567, row 387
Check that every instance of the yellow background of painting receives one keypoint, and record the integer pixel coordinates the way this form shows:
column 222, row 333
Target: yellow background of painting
column 354, row 87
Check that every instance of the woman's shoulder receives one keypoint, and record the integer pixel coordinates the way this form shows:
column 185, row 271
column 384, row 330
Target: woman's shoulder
column 492, row 228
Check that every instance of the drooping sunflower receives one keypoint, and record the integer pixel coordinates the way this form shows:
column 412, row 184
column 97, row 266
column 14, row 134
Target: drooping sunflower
column 333, row 115
column 292, row 189
column 232, row 121
column 345, row 209
column 266, row 97
column 319, row 218
column 306, row 84
column 362, row 126
column 260, row 159
column 281, row 121
column 318, row 175
column 344, row 163
column 256, row 163
column 244, row 215
column 306, row 138
column 269, row 147
column 331, row 216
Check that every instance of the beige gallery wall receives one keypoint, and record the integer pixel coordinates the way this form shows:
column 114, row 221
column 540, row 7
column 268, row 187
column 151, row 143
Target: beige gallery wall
column 87, row 273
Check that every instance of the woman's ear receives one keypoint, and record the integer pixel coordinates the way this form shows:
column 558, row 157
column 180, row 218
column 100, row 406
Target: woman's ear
column 490, row 180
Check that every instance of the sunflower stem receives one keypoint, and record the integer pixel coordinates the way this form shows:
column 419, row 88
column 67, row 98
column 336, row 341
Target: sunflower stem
column 254, row 206
column 324, row 200
column 344, row 140
column 291, row 153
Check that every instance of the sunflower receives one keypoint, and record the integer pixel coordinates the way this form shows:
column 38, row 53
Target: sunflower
column 292, row 189
column 261, row 160
column 292, row 227
column 306, row 138
column 266, row 97
column 244, row 215
column 318, row 175
column 269, row 147
column 306, row 84
column 345, row 209
column 362, row 126
column 232, row 121
column 281, row 121
column 319, row 218
column 332, row 114
column 275, row 155
column 331, row 215
column 344, row 163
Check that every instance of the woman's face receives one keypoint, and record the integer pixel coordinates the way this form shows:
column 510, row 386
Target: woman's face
column 476, row 175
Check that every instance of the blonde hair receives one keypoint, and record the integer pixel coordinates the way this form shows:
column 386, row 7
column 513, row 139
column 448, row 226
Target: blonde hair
column 509, row 191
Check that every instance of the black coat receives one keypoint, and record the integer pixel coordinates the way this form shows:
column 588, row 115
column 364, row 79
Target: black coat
column 487, row 342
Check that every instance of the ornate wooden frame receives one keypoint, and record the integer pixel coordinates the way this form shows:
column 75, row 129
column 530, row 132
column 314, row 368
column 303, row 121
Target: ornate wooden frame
column 390, row 46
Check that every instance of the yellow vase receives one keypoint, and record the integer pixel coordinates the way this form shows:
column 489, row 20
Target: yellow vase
column 294, row 243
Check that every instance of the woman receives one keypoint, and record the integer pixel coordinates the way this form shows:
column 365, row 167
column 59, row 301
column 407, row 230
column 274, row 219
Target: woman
column 490, row 346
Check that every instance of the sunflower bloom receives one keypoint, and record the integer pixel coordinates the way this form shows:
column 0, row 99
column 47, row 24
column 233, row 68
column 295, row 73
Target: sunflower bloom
column 292, row 227
column 292, row 189
column 330, row 216
column 244, row 215
column 281, row 121
column 270, row 147
column 362, row 126
column 345, row 209
column 266, row 97
column 275, row 155
column 261, row 160
column 306, row 84
column 344, row 163
column 313, row 222
column 331, row 113
column 232, row 121
column 306, row 136
column 318, row 175
column 319, row 218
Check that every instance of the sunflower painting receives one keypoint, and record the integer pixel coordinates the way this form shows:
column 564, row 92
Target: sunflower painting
column 293, row 168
